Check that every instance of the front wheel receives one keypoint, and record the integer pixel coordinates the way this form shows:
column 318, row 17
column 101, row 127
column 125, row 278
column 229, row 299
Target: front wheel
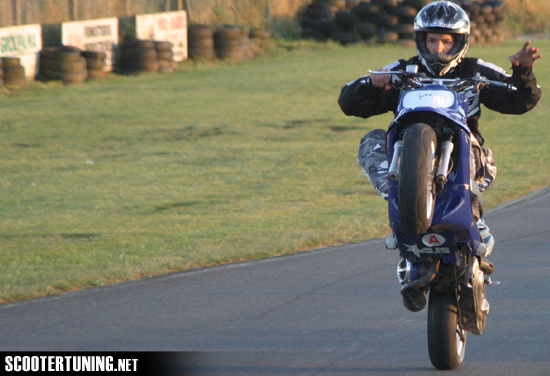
column 446, row 338
column 416, row 191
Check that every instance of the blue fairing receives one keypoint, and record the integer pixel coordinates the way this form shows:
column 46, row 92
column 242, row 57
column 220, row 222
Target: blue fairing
column 453, row 220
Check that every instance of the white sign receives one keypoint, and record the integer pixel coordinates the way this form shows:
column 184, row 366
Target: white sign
column 99, row 35
column 428, row 98
column 24, row 42
column 168, row 26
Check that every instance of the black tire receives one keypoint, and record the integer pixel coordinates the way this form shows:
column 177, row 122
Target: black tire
column 383, row 19
column 94, row 55
column 14, row 71
column 64, row 66
column 198, row 31
column 138, row 44
column 232, row 56
column 364, row 9
column 11, row 61
column 141, row 66
column 204, row 43
column 366, row 29
column 206, row 54
column 345, row 19
column 15, row 81
column 67, row 78
column 95, row 64
column 229, row 44
column 385, row 3
column 163, row 45
column 404, row 11
column 229, row 33
column 446, row 340
column 402, row 28
column 384, row 37
column 64, row 53
column 418, row 4
column 165, row 55
column 138, row 54
column 95, row 74
column 416, row 191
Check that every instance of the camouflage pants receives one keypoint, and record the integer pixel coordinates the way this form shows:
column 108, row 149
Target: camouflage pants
column 372, row 158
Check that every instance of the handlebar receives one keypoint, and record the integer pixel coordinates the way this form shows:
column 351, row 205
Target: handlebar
column 411, row 80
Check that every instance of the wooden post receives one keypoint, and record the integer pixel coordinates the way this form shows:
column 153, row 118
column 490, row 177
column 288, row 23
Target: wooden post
column 16, row 12
column 167, row 5
column 74, row 9
column 188, row 9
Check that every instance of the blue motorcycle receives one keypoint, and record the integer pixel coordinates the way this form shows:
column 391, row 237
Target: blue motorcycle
column 434, row 205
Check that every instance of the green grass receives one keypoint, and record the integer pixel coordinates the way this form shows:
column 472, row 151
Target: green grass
column 139, row 176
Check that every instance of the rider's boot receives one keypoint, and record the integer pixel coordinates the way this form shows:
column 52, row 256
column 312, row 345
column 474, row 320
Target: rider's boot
column 486, row 236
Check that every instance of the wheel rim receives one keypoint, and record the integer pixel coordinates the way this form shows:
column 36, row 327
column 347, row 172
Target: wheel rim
column 460, row 342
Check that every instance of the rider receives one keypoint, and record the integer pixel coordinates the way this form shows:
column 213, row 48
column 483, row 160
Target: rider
column 442, row 36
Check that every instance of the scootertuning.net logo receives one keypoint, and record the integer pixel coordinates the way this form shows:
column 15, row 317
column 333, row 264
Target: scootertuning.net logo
column 72, row 363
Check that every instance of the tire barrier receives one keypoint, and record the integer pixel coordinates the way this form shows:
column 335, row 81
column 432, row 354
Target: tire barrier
column 62, row 63
column 391, row 21
column 165, row 56
column 487, row 20
column 95, row 64
column 228, row 43
column 14, row 72
column 138, row 57
column 200, row 42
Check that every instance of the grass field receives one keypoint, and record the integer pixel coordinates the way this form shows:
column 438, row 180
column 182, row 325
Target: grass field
column 140, row 176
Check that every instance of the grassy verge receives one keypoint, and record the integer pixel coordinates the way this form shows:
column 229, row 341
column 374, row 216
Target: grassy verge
column 139, row 176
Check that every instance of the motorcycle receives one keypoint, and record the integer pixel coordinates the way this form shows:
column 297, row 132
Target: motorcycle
column 433, row 205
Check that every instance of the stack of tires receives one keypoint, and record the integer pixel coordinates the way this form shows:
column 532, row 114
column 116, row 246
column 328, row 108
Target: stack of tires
column 14, row 73
column 228, row 43
column 317, row 20
column 391, row 21
column 486, row 21
column 95, row 64
column 138, row 57
column 200, row 42
column 63, row 63
column 165, row 56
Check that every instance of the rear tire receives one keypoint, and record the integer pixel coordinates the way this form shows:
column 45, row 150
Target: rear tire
column 446, row 340
column 416, row 191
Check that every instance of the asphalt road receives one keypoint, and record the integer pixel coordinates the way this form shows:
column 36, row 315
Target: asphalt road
column 334, row 311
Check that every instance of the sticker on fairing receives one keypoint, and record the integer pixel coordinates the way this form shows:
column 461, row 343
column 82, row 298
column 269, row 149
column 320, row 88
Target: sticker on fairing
column 433, row 240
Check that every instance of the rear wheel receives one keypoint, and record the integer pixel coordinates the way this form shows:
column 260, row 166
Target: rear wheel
column 416, row 191
column 446, row 339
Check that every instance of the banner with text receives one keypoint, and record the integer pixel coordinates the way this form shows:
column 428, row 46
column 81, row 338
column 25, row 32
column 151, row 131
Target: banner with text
column 99, row 35
column 167, row 26
column 24, row 42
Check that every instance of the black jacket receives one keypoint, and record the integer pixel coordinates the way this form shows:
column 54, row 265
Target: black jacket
column 360, row 98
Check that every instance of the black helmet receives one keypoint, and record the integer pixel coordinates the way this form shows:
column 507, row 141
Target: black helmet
column 442, row 17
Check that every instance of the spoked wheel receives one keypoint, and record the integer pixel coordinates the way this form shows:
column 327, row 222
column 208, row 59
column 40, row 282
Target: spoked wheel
column 446, row 338
column 416, row 188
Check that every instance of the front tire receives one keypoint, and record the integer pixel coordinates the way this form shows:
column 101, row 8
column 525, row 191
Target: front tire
column 446, row 339
column 416, row 191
